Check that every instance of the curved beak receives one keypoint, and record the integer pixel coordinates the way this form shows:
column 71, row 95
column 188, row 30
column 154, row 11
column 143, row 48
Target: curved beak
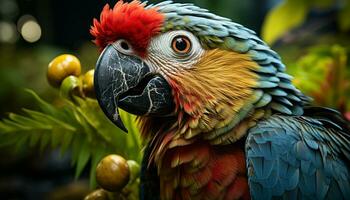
column 126, row 81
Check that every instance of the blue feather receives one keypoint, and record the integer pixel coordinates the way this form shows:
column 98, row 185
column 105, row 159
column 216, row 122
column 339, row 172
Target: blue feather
column 281, row 108
column 305, row 159
column 271, row 180
column 266, row 84
column 269, row 78
column 266, row 99
column 258, row 55
column 286, row 86
column 322, row 184
column 308, row 184
column 291, row 195
column 284, row 76
column 334, row 191
column 312, row 144
column 344, row 187
column 284, row 101
column 257, row 163
column 297, row 110
column 269, row 69
column 293, row 178
column 257, row 95
column 278, row 92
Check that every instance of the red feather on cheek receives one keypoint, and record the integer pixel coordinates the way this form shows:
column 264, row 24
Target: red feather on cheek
column 129, row 21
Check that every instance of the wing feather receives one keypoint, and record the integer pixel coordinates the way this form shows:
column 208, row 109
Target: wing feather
column 299, row 157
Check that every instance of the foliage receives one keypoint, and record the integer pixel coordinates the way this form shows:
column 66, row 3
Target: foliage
column 324, row 74
column 290, row 14
column 25, row 67
column 279, row 20
column 324, row 71
column 77, row 126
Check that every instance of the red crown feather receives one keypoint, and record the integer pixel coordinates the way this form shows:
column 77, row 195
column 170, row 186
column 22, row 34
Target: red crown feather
column 129, row 21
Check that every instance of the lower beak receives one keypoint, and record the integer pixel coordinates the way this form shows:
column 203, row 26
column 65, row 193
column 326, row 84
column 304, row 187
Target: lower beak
column 126, row 81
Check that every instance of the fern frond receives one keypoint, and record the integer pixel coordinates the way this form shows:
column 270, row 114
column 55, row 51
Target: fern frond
column 78, row 127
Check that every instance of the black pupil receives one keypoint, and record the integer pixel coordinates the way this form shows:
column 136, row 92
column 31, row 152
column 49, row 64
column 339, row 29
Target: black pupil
column 124, row 45
column 181, row 44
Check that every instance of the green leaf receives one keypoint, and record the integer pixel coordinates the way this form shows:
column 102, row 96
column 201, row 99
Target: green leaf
column 67, row 138
column 25, row 120
column 83, row 158
column 323, row 70
column 45, row 140
column 44, row 106
column 284, row 17
column 56, row 136
column 20, row 143
column 78, row 126
column 34, row 139
column 96, row 157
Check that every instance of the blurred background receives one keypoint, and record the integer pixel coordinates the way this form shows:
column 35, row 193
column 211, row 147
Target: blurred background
column 312, row 37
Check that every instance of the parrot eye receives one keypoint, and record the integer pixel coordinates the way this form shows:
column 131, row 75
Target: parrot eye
column 181, row 44
column 183, row 48
column 123, row 46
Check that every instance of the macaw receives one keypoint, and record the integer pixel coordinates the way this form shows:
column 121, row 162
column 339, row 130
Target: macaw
column 218, row 114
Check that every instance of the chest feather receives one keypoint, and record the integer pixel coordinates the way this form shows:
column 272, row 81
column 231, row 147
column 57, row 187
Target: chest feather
column 202, row 171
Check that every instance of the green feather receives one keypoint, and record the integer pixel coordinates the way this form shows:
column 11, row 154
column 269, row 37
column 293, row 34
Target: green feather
column 266, row 99
column 280, row 108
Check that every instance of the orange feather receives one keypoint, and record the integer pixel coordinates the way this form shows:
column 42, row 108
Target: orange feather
column 207, row 97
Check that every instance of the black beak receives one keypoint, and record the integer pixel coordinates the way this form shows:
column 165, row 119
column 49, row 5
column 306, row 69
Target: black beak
column 126, row 81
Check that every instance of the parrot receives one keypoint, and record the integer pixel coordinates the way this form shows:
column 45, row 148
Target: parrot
column 219, row 117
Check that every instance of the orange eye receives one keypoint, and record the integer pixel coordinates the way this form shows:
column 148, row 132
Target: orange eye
column 181, row 44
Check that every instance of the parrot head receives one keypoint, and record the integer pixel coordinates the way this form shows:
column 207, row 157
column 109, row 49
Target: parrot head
column 181, row 68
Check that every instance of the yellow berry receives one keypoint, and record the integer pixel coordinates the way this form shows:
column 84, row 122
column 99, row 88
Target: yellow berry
column 112, row 173
column 61, row 67
column 88, row 83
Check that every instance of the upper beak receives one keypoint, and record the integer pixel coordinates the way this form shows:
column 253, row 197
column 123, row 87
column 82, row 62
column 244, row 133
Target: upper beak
column 126, row 81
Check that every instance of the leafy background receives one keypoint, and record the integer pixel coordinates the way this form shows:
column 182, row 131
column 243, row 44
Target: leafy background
column 50, row 149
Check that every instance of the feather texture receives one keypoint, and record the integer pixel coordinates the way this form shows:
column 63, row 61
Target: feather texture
column 129, row 21
column 297, row 156
column 236, row 88
column 217, row 32
column 199, row 171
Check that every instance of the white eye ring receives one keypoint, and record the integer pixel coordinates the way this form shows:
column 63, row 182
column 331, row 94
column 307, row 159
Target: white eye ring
column 162, row 47
column 123, row 46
